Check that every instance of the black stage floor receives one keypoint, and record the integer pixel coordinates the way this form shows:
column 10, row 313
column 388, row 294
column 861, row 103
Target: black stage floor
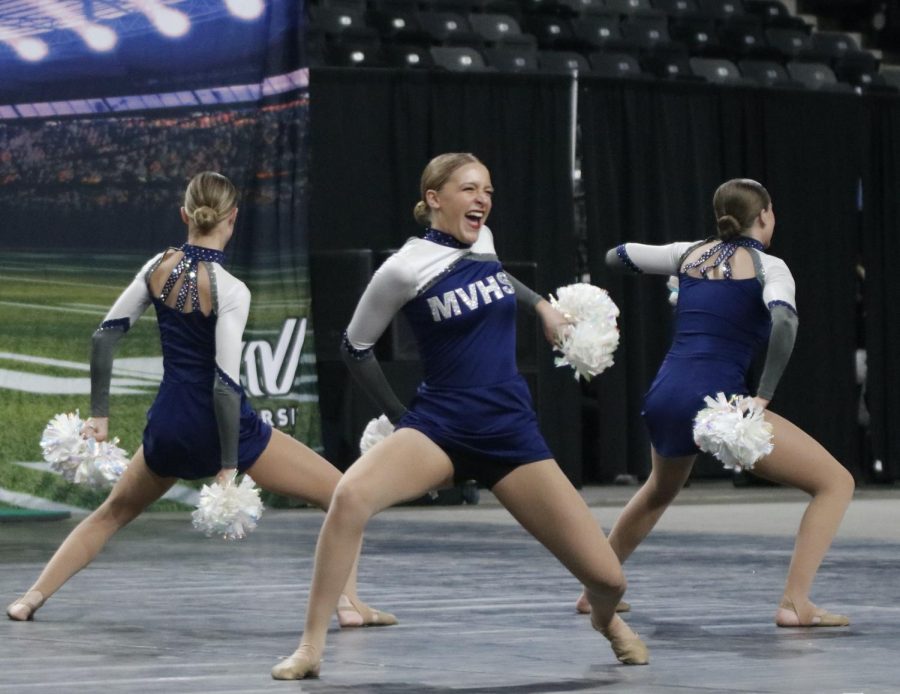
column 483, row 608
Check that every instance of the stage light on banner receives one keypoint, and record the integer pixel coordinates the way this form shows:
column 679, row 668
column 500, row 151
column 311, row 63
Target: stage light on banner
column 97, row 36
column 245, row 9
column 167, row 20
column 29, row 49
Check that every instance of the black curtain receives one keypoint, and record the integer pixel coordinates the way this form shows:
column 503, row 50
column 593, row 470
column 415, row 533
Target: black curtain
column 653, row 156
column 881, row 248
column 372, row 134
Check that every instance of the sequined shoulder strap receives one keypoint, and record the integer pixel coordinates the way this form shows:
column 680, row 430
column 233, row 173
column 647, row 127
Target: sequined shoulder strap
column 720, row 254
column 187, row 267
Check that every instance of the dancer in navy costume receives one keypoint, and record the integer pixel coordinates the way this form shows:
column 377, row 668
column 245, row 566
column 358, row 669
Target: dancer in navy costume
column 200, row 424
column 733, row 298
column 472, row 416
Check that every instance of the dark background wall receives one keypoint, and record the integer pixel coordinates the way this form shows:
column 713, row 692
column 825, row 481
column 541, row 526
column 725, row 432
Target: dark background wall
column 652, row 156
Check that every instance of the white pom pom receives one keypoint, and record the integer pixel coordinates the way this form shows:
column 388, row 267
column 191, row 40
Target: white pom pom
column 734, row 430
column 375, row 431
column 78, row 460
column 61, row 439
column 673, row 287
column 103, row 465
column 588, row 345
column 230, row 510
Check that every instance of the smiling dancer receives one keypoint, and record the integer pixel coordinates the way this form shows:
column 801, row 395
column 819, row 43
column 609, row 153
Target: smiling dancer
column 733, row 298
column 472, row 416
column 200, row 424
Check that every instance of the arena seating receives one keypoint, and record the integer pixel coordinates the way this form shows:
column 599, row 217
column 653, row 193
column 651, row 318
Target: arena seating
column 738, row 42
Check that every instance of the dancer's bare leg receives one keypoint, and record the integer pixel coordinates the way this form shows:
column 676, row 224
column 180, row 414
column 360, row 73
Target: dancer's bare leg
column 136, row 489
column 289, row 468
column 798, row 460
column 403, row 466
column 645, row 508
column 543, row 500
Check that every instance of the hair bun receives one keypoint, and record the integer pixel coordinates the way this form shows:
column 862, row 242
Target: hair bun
column 729, row 227
column 205, row 217
column 422, row 213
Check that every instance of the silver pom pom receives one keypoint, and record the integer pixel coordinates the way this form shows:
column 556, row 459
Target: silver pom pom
column 231, row 510
column 82, row 461
column 588, row 345
column 375, row 431
column 734, row 430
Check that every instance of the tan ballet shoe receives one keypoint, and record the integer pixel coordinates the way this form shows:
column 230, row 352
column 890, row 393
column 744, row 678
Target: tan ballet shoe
column 23, row 609
column 300, row 665
column 584, row 607
column 788, row 616
column 629, row 650
column 353, row 613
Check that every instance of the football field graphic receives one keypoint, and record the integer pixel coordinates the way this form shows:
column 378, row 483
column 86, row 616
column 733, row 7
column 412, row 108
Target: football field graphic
column 49, row 306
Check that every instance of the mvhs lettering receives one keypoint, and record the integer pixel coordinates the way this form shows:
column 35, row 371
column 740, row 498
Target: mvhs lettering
column 479, row 293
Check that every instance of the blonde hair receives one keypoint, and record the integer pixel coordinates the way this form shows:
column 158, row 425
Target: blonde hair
column 209, row 198
column 436, row 174
column 737, row 203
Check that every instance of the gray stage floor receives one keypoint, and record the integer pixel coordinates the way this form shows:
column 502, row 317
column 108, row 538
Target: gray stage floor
column 483, row 607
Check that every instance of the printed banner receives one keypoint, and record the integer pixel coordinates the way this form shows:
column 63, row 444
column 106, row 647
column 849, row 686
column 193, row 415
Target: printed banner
column 90, row 187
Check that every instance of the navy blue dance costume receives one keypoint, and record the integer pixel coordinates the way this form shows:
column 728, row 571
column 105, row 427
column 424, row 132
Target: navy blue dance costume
column 473, row 402
column 720, row 325
column 200, row 420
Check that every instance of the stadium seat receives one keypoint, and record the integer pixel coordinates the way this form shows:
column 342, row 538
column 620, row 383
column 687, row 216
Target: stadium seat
column 341, row 23
column 457, row 58
column 774, row 13
column 699, row 34
column 815, row 76
column 550, row 32
column 401, row 25
column 648, row 33
column 585, row 7
column 629, row 6
column 500, row 29
column 349, row 54
column 449, row 28
column 563, row 61
column 598, row 32
column 791, row 43
column 717, row 70
column 615, row 65
column 671, row 67
column 676, row 8
column 408, row 55
column 512, row 58
column 721, row 10
column 746, row 41
column 767, row 73
column 891, row 75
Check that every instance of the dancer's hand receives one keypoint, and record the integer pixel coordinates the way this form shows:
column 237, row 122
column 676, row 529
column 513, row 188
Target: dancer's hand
column 96, row 428
column 554, row 322
column 761, row 403
column 225, row 474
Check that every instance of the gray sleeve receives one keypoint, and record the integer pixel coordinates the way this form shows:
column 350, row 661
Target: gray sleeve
column 366, row 370
column 781, row 344
column 524, row 294
column 103, row 347
column 227, row 406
